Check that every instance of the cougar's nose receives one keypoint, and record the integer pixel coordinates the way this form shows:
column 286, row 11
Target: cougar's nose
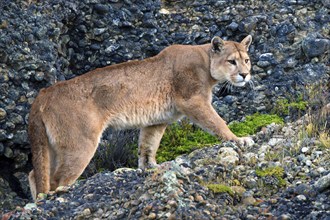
column 243, row 75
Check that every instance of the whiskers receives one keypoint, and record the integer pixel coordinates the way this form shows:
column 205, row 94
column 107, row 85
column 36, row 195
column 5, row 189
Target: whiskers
column 227, row 86
column 251, row 84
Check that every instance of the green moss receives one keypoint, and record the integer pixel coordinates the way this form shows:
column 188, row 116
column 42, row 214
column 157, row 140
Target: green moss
column 283, row 106
column 276, row 172
column 253, row 124
column 181, row 138
column 220, row 188
column 184, row 137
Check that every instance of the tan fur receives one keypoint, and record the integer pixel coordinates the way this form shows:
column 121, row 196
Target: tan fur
column 67, row 119
column 325, row 110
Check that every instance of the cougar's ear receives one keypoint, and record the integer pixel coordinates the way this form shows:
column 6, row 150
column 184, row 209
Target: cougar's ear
column 217, row 44
column 247, row 41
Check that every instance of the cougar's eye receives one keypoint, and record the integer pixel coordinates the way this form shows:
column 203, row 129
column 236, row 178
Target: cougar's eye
column 233, row 62
column 247, row 60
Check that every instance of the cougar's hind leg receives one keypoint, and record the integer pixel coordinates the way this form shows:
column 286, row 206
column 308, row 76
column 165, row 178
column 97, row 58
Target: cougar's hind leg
column 74, row 152
column 72, row 163
column 39, row 176
column 149, row 141
column 32, row 183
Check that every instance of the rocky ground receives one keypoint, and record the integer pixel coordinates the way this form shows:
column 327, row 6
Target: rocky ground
column 42, row 42
column 182, row 189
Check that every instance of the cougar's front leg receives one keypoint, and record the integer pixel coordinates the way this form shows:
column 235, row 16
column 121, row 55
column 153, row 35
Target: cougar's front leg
column 149, row 141
column 202, row 113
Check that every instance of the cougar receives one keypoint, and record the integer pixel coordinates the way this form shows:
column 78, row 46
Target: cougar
column 67, row 119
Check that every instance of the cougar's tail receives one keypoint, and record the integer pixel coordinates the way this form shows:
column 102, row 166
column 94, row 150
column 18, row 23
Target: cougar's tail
column 39, row 179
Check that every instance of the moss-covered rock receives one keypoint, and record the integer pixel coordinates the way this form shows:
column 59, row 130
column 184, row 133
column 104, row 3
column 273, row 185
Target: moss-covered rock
column 184, row 137
column 254, row 123
column 272, row 176
column 220, row 188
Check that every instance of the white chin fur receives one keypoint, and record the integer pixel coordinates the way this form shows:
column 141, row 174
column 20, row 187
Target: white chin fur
column 240, row 84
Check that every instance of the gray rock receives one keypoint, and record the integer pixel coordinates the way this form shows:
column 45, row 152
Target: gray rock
column 8, row 152
column 248, row 24
column 39, row 76
column 233, row 26
column 101, row 9
column 99, row 31
column 266, row 60
column 229, row 99
column 112, row 48
column 21, row 137
column 301, row 158
column 303, row 189
column 323, row 183
column 228, row 156
column 263, row 64
column 3, row 135
column 314, row 46
column 251, row 182
column 275, row 141
column 326, row 3
column 291, row 62
column 30, row 206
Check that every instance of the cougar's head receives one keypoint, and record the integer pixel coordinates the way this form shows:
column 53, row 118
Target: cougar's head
column 230, row 61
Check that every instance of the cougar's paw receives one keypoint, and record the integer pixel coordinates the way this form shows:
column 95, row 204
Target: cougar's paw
column 147, row 166
column 152, row 166
column 245, row 141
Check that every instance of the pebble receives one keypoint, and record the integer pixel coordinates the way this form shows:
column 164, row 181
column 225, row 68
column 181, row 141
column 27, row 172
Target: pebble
column 285, row 217
column 264, row 149
column 152, row 216
column 304, row 149
column 8, row 152
column 308, row 162
column 321, row 170
column 30, row 206
column 101, row 9
column 228, row 156
column 301, row 197
column 239, row 190
column 275, row 141
column 86, row 212
column 3, row 113
column 249, row 200
column 173, row 203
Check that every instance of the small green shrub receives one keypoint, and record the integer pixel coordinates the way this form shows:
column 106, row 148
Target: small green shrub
column 275, row 172
column 284, row 107
column 181, row 138
column 220, row 188
column 253, row 124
